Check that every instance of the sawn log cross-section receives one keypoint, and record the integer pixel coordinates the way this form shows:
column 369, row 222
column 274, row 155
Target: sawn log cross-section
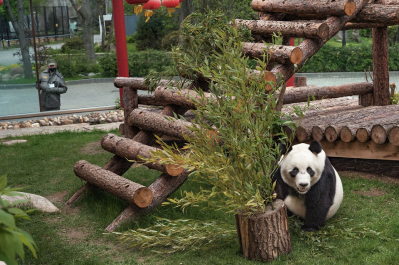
column 360, row 128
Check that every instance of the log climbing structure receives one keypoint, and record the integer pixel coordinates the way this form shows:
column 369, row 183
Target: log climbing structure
column 359, row 128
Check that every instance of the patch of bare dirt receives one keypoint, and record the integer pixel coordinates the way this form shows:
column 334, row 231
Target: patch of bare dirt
column 92, row 148
column 57, row 197
column 370, row 176
column 371, row 193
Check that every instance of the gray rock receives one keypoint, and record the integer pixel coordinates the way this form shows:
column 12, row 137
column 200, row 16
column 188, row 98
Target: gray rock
column 36, row 201
column 14, row 142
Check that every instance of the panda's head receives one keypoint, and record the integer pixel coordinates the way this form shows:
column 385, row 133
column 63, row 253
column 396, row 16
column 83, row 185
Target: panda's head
column 302, row 166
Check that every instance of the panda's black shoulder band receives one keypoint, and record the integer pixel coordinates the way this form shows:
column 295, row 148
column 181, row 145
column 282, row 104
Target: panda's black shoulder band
column 315, row 147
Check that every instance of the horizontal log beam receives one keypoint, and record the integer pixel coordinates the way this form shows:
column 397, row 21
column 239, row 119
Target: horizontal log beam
column 302, row 94
column 138, row 82
column 275, row 53
column 371, row 13
column 132, row 150
column 324, row 7
column 121, row 187
column 184, row 97
column 310, row 46
column 303, row 29
column 159, row 123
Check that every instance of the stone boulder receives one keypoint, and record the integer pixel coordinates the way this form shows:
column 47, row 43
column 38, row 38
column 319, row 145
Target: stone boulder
column 34, row 201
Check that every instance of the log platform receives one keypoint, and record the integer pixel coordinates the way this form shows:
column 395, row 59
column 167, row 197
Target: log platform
column 355, row 123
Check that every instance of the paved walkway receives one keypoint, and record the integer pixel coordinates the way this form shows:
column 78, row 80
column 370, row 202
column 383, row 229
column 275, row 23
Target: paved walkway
column 78, row 127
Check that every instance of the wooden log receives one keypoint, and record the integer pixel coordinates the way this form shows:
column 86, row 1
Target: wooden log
column 356, row 149
column 393, row 135
column 363, row 134
column 303, row 133
column 307, row 30
column 122, row 188
column 185, row 97
column 275, row 53
column 325, row 7
column 380, row 67
column 318, row 133
column 379, row 133
column 368, row 25
column 150, row 100
column 270, row 16
column 348, row 133
column 300, row 81
column 132, row 150
column 264, row 236
column 310, row 46
column 160, row 124
column 138, row 82
column 371, row 13
column 366, row 100
column 332, row 132
column 302, row 94
column 161, row 188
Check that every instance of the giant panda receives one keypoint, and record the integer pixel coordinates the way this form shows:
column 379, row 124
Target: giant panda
column 308, row 183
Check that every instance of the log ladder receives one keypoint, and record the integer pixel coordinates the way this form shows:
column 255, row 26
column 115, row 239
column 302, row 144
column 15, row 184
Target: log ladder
column 335, row 118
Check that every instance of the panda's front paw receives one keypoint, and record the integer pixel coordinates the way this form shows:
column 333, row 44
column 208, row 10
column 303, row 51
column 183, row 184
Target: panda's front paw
column 310, row 228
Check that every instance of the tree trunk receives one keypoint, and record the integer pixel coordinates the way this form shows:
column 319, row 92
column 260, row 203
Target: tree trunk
column 325, row 7
column 110, row 34
column 123, row 188
column 18, row 24
column 160, row 123
column 133, row 150
column 86, row 14
column 300, row 81
column 101, row 5
column 264, row 236
column 298, row 29
column 185, row 10
column 380, row 67
column 275, row 53
column 393, row 135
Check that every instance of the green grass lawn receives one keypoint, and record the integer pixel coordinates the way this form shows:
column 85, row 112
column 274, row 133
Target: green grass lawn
column 364, row 231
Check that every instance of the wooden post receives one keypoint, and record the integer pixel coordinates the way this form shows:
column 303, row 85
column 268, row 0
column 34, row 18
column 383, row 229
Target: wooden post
column 380, row 66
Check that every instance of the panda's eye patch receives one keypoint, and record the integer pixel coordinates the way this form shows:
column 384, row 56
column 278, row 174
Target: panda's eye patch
column 294, row 172
column 310, row 171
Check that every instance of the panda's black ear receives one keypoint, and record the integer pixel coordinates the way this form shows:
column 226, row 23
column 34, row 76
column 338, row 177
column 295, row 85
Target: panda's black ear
column 283, row 149
column 315, row 147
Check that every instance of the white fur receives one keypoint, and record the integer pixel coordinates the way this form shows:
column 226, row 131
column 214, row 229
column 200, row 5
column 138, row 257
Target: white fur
column 339, row 195
column 301, row 157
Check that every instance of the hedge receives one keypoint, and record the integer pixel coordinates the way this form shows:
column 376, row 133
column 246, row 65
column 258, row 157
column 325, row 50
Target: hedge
column 348, row 59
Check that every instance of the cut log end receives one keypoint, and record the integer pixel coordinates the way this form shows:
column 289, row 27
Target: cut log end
column 296, row 55
column 394, row 136
column 143, row 197
column 362, row 135
column 174, row 170
column 270, row 77
column 302, row 134
column 350, row 7
column 323, row 31
column 346, row 135
column 378, row 134
column 331, row 134
column 317, row 133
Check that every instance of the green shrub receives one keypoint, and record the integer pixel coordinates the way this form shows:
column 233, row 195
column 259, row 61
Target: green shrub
column 131, row 38
column 12, row 238
column 348, row 59
column 108, row 65
column 172, row 39
column 149, row 34
column 75, row 43
column 139, row 63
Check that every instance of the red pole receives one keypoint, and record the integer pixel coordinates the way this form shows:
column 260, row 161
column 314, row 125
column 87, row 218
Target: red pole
column 120, row 40
column 290, row 81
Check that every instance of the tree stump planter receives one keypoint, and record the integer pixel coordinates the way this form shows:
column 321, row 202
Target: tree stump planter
column 264, row 236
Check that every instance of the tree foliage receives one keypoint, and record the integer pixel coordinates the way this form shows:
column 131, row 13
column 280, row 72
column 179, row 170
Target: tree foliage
column 237, row 131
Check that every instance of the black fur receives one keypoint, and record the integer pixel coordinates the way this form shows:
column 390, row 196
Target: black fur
column 318, row 199
column 315, row 147
column 283, row 149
